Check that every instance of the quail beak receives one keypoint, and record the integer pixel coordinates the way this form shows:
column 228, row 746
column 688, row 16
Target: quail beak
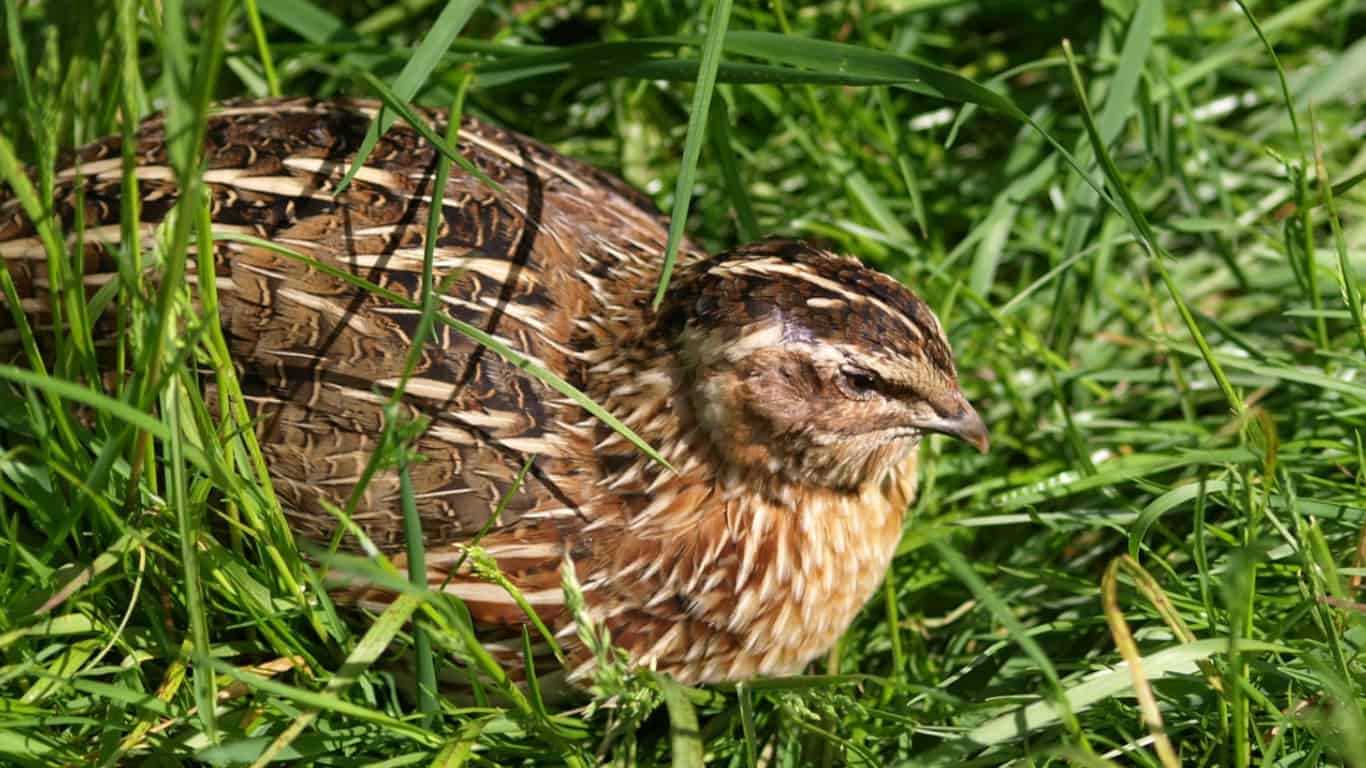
column 966, row 425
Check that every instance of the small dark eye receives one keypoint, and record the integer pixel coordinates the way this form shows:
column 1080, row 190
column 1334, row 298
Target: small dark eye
column 861, row 381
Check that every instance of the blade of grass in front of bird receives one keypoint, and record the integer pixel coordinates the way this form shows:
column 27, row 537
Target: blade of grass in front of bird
column 417, row 574
column 11, row 173
column 186, row 118
column 373, row 643
column 486, row 567
column 412, row 523
column 86, row 396
column 454, row 616
column 496, row 518
column 241, row 582
column 512, row 356
column 74, row 346
column 447, row 149
column 415, row 72
column 697, row 133
column 685, row 736
column 259, row 501
column 533, row 683
column 428, row 287
column 188, row 530
column 130, row 209
column 746, row 699
column 451, row 616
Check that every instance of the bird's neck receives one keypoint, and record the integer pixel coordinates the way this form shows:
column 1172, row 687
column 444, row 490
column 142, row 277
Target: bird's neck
column 775, row 568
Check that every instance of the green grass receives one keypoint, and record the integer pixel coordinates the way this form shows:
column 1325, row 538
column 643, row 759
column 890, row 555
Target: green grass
column 1151, row 290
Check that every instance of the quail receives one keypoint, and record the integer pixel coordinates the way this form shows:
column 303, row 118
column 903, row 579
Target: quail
column 787, row 386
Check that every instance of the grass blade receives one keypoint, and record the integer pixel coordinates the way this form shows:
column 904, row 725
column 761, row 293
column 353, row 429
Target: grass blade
column 697, row 132
column 1018, row 723
column 1139, row 223
column 684, row 733
column 415, row 72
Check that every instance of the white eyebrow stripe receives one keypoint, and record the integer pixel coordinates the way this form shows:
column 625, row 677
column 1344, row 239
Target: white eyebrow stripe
column 886, row 368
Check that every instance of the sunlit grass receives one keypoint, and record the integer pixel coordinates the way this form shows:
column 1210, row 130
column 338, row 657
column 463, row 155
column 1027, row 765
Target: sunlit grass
column 1151, row 292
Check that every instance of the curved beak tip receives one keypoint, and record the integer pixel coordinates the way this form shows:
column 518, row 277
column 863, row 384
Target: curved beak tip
column 974, row 431
column 983, row 443
column 967, row 426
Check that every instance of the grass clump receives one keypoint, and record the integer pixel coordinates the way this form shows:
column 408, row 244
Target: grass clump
column 1141, row 222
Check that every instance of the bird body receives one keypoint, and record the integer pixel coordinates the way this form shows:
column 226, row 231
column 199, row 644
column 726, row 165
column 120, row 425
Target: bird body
column 788, row 387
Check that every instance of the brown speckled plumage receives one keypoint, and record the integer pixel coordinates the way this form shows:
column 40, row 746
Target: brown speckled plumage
column 788, row 386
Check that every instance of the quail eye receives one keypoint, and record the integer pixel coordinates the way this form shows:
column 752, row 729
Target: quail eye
column 860, row 381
